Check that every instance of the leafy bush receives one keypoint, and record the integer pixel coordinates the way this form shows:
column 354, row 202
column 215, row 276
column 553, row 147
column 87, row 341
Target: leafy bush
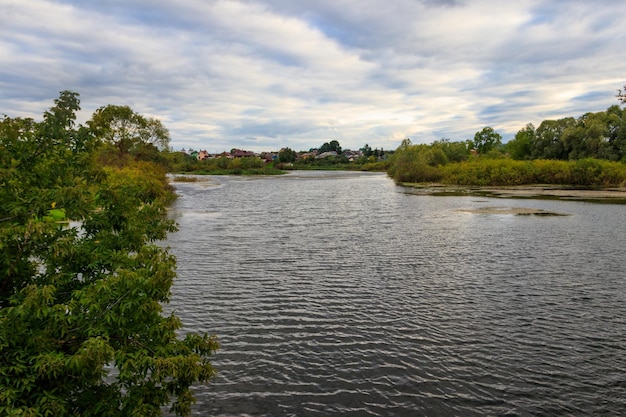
column 77, row 301
column 416, row 164
column 596, row 172
column 549, row 171
column 481, row 171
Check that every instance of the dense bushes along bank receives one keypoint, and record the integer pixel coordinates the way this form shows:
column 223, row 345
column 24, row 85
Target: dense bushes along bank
column 587, row 172
column 588, row 151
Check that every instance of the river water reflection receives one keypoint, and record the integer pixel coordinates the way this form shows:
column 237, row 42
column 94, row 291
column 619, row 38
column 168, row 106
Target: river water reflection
column 340, row 294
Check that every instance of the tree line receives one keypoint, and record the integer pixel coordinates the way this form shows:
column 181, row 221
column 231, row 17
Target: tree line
column 270, row 163
column 182, row 163
column 586, row 151
column 600, row 135
column 82, row 329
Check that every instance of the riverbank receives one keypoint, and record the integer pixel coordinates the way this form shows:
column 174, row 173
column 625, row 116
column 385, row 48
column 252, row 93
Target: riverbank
column 615, row 195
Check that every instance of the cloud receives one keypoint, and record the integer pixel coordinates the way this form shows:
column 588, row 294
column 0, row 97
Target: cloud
column 264, row 74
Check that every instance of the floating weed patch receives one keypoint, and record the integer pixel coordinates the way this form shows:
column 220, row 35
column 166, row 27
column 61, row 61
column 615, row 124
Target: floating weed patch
column 518, row 211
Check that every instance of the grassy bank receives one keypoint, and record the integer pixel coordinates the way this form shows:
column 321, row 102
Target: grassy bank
column 587, row 172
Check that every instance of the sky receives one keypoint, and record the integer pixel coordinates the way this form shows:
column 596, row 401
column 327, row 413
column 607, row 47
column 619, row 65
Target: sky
column 261, row 75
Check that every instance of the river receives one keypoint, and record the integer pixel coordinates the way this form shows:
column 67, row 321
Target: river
column 339, row 293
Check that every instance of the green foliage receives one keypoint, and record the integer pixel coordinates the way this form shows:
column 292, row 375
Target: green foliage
column 487, row 140
column 416, row 163
column 330, row 163
column 521, row 147
column 506, row 172
column 128, row 132
column 597, row 172
column 488, row 172
column 179, row 162
column 249, row 165
column 586, row 138
column 567, row 151
column 423, row 163
column 339, row 163
column 380, row 166
column 367, row 150
column 81, row 324
column 453, row 151
column 287, row 155
column 548, row 142
column 616, row 128
column 551, row 171
column 55, row 216
column 333, row 145
column 600, row 135
column 182, row 163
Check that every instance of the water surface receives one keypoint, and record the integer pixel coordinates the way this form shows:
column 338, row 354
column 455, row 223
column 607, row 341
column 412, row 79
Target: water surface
column 341, row 294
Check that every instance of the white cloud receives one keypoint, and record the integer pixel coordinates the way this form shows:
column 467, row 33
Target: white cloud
column 273, row 73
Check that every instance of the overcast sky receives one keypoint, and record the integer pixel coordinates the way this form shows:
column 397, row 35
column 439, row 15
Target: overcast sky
column 265, row 74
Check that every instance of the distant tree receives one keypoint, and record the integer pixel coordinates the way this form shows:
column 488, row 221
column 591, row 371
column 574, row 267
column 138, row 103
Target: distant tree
column 405, row 144
column 617, row 131
column 367, row 150
column 333, row 145
column 454, row 151
column 588, row 137
column 621, row 95
column 548, row 139
column 415, row 163
column 521, row 146
column 81, row 324
column 487, row 140
column 287, row 155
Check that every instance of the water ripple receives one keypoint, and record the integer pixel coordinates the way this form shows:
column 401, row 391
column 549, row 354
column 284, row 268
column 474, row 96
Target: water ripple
column 337, row 294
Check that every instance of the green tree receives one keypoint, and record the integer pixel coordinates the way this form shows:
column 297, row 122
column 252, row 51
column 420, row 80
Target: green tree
column 487, row 140
column 405, row 144
column 415, row 163
column 81, row 325
column 333, row 145
column 454, row 151
column 588, row 137
column 548, row 139
column 129, row 132
column 521, row 146
column 616, row 126
column 287, row 155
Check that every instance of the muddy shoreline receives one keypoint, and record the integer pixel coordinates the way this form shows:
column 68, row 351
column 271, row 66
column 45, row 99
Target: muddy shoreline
column 601, row 195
